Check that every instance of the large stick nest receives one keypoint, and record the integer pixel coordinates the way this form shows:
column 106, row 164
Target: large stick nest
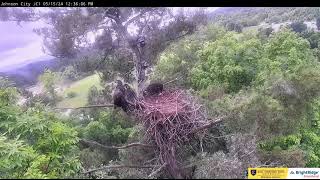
column 169, row 120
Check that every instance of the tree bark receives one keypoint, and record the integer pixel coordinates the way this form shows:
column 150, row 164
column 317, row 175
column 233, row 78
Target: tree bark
column 132, row 42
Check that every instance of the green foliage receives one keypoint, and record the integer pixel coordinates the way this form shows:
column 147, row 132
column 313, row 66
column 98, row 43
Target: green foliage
column 298, row 27
column 15, row 157
column 314, row 40
column 250, row 15
column 291, row 158
column 109, row 129
column 230, row 61
column 284, row 54
column 49, row 80
column 71, row 94
column 93, row 95
column 8, row 96
column 241, row 154
column 289, row 79
column 91, row 158
column 267, row 83
column 264, row 32
column 36, row 144
column 307, row 139
column 180, row 57
column 70, row 73
column 5, row 82
column 232, row 26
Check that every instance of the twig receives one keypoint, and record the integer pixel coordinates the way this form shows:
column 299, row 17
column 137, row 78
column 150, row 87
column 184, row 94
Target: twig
column 94, row 143
column 207, row 125
column 172, row 80
column 117, row 166
column 158, row 170
column 91, row 106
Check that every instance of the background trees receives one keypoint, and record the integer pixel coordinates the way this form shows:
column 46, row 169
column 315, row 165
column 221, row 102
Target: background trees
column 49, row 81
column 155, row 28
column 35, row 144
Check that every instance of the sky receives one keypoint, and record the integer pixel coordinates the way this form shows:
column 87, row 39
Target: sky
column 20, row 45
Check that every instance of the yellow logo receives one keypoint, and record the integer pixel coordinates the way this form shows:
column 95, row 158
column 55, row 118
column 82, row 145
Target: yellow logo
column 267, row 173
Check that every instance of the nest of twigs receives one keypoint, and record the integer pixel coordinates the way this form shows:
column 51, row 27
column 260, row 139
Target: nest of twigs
column 170, row 119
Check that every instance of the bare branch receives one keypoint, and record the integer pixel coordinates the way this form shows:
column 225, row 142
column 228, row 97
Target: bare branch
column 216, row 121
column 135, row 18
column 94, row 143
column 111, row 17
column 177, row 38
column 92, row 106
column 117, row 166
column 158, row 170
column 177, row 78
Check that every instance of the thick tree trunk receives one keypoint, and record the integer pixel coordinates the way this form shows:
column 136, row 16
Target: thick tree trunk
column 139, row 54
column 141, row 61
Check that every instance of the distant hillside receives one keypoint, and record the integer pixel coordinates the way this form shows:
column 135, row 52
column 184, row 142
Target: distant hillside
column 235, row 10
column 251, row 16
column 27, row 74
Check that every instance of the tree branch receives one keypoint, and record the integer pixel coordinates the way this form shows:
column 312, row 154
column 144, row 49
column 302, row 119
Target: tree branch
column 158, row 170
column 103, row 60
column 117, row 166
column 94, row 143
column 92, row 106
column 175, row 79
column 216, row 121
column 177, row 38
column 135, row 18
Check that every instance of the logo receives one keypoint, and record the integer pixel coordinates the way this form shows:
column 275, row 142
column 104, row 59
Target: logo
column 304, row 173
column 268, row 173
column 253, row 172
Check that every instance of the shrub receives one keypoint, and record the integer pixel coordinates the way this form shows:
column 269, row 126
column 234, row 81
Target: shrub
column 218, row 166
column 70, row 73
column 298, row 27
column 71, row 94
column 229, row 61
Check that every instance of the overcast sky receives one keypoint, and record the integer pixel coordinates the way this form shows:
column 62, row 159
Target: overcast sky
column 20, row 45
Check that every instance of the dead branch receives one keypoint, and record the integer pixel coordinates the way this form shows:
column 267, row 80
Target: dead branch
column 117, row 166
column 91, row 106
column 176, row 38
column 158, row 170
column 177, row 78
column 96, row 144
column 218, row 120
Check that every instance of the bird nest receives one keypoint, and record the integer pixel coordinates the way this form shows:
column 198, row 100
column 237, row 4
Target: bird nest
column 170, row 119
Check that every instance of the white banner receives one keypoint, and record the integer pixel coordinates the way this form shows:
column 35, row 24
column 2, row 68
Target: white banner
column 303, row 173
